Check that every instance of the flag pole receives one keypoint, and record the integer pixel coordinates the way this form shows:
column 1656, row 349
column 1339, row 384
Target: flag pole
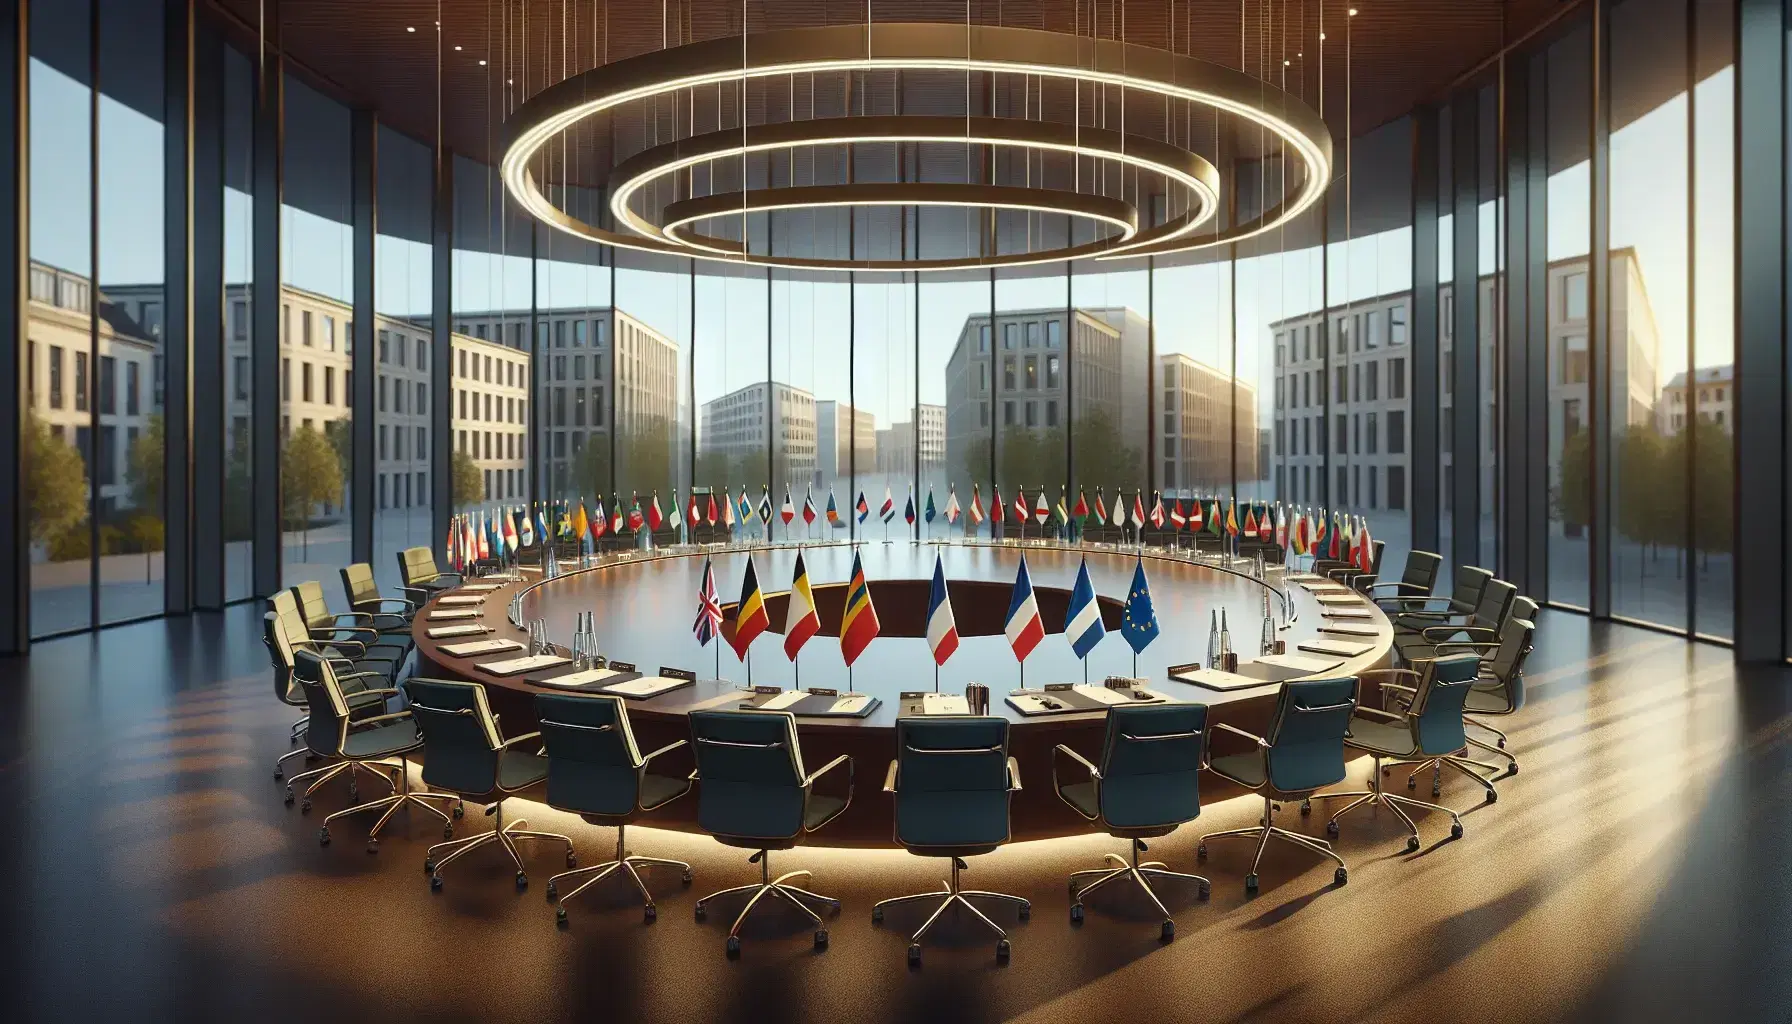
column 936, row 677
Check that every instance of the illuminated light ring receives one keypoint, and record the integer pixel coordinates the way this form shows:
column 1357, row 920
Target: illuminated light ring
column 1191, row 170
column 1115, row 213
column 915, row 46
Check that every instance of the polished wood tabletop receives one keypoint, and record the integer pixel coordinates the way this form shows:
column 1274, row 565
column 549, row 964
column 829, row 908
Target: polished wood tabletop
column 645, row 604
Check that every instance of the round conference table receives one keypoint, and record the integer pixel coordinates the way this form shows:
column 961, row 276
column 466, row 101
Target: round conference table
column 645, row 604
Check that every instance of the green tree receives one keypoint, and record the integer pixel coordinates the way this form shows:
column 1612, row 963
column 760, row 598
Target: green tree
column 1573, row 497
column 468, row 481
column 644, row 460
column 144, row 470
column 309, row 475
column 55, row 483
column 342, row 440
column 591, row 475
column 1714, row 476
column 238, row 502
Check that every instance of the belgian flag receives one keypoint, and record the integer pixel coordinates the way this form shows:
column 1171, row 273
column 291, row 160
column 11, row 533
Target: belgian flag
column 750, row 618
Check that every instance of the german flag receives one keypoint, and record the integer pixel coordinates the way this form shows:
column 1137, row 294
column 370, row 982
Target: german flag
column 859, row 626
column 750, row 619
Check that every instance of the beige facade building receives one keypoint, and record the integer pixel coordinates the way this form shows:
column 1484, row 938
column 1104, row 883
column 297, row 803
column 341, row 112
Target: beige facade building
column 839, row 429
column 1195, row 443
column 740, row 424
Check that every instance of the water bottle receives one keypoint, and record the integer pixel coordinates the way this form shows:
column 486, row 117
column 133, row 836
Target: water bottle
column 976, row 695
column 1213, row 640
column 1228, row 660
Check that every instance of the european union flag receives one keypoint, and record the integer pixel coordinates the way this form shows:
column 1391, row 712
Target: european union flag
column 1139, row 623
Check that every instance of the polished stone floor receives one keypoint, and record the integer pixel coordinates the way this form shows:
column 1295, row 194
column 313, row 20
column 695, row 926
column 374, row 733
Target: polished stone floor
column 1638, row 869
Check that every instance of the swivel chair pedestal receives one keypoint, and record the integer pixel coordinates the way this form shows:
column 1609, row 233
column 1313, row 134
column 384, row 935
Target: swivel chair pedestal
column 502, row 834
column 1141, row 874
column 776, row 887
column 624, row 862
column 949, row 894
column 1263, row 834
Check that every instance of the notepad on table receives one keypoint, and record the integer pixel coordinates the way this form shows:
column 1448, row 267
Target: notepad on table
column 1302, row 663
column 1349, row 629
column 850, row 704
column 1330, row 600
column 1340, row 648
column 480, row 586
column 512, row 666
column 944, row 704
column 782, row 701
column 471, row 648
column 1214, row 679
column 1345, row 613
column 457, row 613
column 595, row 675
column 461, row 599
column 443, row 632
column 646, row 686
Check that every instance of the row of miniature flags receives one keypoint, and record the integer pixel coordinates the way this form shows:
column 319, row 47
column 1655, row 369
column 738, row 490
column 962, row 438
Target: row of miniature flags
column 859, row 624
column 481, row 535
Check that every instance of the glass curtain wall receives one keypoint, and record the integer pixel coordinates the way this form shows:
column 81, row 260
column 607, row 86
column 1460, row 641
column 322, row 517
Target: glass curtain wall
column 401, row 304
column 316, row 328
column 1712, row 315
column 63, row 325
column 1569, row 368
column 644, row 357
column 239, row 279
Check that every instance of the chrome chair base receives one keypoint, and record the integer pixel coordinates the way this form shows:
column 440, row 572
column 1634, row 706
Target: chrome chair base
column 1376, row 796
column 1468, row 766
column 1141, row 875
column 401, row 797
column 1263, row 834
column 623, row 863
column 502, row 834
column 773, row 886
column 949, row 894
column 319, row 776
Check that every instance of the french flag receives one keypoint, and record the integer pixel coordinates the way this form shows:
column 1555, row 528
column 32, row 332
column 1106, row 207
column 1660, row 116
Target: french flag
column 1023, row 628
column 942, row 629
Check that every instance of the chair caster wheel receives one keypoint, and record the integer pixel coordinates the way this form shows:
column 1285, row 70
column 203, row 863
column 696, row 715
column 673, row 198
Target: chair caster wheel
column 1026, row 911
column 1169, row 931
column 1412, row 782
column 1306, row 808
column 288, row 800
column 701, row 911
column 650, row 912
column 1341, row 876
column 821, row 938
column 1456, row 830
column 305, row 807
column 1436, row 791
column 1206, row 889
column 435, row 883
column 447, row 831
column 686, row 877
column 1076, row 913
column 733, row 945
column 373, row 846
column 560, row 916
column 323, row 836
column 877, row 915
column 1492, row 797
column 1002, row 951
column 1201, row 852
column 1250, row 883
column 1513, row 770
column 914, row 954
column 553, row 892
column 278, row 775
column 460, row 810
column 1502, row 744
column 522, row 880
column 572, row 859
column 1412, row 844
column 354, row 795
column 1331, row 829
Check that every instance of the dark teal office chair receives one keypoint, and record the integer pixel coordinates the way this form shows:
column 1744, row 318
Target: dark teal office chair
column 755, row 794
column 1428, row 724
column 1303, row 753
column 596, row 771
column 335, row 643
column 378, row 633
column 418, row 576
column 1498, row 691
column 391, row 614
column 1412, row 613
column 362, row 687
column 1147, row 785
column 1481, row 624
column 464, row 754
column 376, row 744
column 952, row 779
column 1417, row 580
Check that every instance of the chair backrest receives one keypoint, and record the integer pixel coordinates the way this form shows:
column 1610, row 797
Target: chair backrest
column 280, row 656
column 460, row 738
column 1466, row 592
column 1520, row 607
column 1436, row 711
column 313, row 606
column 751, row 769
column 417, row 565
column 359, row 585
column 1490, row 610
column 593, row 763
column 1150, row 760
column 327, row 724
column 1505, row 665
column 1376, row 550
column 298, row 631
column 1306, row 737
column 952, row 781
column 1420, row 572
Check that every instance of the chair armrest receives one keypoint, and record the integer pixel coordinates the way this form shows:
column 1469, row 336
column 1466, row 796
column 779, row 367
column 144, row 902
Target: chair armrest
column 355, row 647
column 1390, row 672
column 332, row 632
column 890, row 777
column 362, row 675
column 1013, row 775
column 514, row 740
column 1398, row 585
column 1253, row 737
column 351, row 616
column 1094, row 772
column 1397, row 686
column 1480, row 645
column 830, row 766
column 408, row 605
column 823, row 770
column 674, row 745
column 362, row 723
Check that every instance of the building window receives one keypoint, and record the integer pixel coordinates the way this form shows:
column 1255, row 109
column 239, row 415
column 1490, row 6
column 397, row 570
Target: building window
column 983, row 338
column 1574, row 296
column 329, row 385
column 1396, row 440
column 285, row 379
column 1051, row 370
column 1008, row 372
column 1397, row 488
column 1010, row 335
column 1054, row 334
column 55, row 376
column 1032, row 370
column 1397, row 378
column 1397, row 328
column 1032, row 334
column 305, row 380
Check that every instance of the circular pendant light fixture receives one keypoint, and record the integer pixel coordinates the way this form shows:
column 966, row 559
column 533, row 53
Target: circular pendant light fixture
column 925, row 47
